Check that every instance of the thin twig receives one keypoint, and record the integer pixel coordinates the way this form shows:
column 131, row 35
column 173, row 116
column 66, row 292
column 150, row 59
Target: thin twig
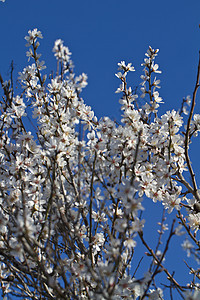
column 188, row 133
column 169, row 276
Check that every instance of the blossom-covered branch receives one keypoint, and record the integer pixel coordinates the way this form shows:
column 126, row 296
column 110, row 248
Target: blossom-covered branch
column 73, row 187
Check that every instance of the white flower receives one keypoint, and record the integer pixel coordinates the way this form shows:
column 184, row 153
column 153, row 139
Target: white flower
column 130, row 243
column 122, row 66
column 31, row 38
column 194, row 221
column 192, row 296
column 187, row 245
column 156, row 294
column 98, row 242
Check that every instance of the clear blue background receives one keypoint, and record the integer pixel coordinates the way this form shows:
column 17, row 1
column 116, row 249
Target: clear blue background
column 100, row 34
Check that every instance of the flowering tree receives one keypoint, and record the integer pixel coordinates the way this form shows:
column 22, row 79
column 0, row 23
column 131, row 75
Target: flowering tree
column 71, row 191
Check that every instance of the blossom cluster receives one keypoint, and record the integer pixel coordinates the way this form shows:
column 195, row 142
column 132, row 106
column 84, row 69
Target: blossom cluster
column 71, row 190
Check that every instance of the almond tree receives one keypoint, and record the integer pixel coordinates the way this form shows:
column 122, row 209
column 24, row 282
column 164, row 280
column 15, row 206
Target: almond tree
column 71, row 190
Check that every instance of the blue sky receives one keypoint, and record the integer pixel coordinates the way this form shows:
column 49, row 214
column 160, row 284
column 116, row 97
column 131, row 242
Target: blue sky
column 102, row 33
